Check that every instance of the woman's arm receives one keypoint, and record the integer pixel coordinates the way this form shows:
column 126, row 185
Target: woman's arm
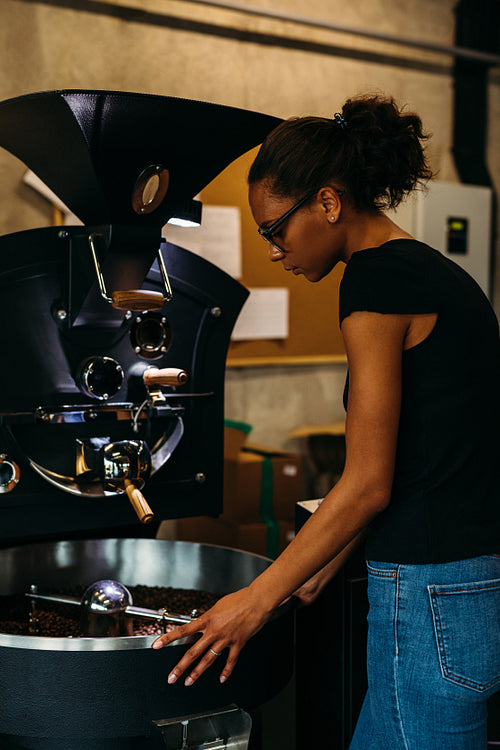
column 312, row 588
column 374, row 345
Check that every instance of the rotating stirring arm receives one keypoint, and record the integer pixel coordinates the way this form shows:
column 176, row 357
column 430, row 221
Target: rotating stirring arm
column 113, row 600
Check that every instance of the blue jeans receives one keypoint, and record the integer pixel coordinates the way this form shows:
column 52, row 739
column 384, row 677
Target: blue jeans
column 433, row 655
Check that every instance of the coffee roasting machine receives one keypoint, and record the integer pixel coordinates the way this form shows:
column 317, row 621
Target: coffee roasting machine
column 111, row 414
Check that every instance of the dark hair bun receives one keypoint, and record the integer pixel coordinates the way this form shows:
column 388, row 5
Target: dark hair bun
column 387, row 145
column 377, row 155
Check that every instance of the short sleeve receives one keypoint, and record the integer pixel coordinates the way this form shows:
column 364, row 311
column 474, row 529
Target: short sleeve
column 385, row 282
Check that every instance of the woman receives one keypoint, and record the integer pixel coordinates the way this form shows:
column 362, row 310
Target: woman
column 420, row 478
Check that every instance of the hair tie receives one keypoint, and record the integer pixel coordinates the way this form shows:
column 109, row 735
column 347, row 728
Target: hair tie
column 340, row 120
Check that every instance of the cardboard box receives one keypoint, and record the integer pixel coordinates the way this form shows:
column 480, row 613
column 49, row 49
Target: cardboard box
column 263, row 539
column 235, row 437
column 260, row 538
column 325, row 455
column 262, row 485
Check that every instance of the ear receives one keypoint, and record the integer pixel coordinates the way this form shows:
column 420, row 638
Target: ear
column 330, row 203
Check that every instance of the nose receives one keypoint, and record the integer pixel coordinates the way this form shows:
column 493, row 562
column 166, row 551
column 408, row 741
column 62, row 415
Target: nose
column 275, row 253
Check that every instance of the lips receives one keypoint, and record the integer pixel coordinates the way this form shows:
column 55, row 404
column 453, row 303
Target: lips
column 294, row 269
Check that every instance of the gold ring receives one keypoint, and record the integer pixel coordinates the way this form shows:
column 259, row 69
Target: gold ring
column 214, row 652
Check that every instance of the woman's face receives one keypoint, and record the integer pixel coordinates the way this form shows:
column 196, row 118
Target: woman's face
column 308, row 242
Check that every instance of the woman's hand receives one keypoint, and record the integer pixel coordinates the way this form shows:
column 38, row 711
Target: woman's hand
column 228, row 624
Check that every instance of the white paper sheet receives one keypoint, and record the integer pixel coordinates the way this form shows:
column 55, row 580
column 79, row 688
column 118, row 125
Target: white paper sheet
column 264, row 315
column 218, row 239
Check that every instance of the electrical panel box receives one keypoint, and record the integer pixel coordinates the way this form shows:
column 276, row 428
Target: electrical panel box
column 456, row 220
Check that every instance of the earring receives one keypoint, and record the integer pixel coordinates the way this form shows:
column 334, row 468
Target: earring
column 332, row 218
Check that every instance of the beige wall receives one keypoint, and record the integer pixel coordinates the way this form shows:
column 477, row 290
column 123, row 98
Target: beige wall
column 181, row 49
column 49, row 47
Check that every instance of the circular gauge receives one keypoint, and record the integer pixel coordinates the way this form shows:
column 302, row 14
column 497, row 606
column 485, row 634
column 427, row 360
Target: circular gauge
column 150, row 189
column 150, row 335
column 101, row 377
column 9, row 473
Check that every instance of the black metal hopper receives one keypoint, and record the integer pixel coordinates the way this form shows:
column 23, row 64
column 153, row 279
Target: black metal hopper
column 90, row 147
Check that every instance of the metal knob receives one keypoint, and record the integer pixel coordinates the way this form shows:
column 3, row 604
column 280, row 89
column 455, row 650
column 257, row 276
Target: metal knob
column 126, row 459
column 122, row 466
column 126, row 464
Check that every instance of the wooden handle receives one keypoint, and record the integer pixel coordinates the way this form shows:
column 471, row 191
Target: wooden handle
column 137, row 300
column 138, row 502
column 167, row 376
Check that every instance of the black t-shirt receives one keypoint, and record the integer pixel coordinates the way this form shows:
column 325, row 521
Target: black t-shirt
column 445, row 501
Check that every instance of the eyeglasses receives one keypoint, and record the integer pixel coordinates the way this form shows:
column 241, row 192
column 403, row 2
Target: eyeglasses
column 267, row 233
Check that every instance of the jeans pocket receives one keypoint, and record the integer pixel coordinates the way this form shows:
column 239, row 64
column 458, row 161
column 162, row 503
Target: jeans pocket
column 467, row 629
